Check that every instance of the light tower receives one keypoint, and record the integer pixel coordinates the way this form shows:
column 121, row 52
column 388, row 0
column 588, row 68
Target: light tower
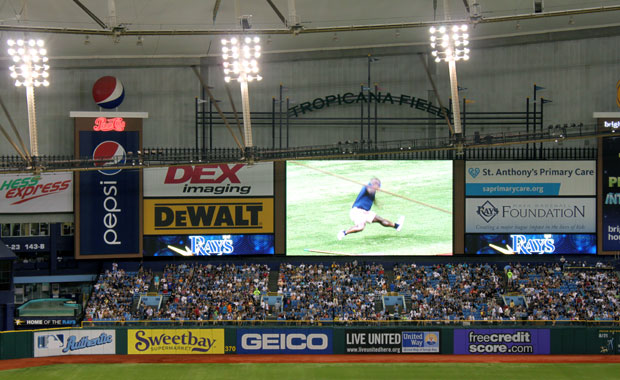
column 449, row 44
column 30, row 69
column 240, row 56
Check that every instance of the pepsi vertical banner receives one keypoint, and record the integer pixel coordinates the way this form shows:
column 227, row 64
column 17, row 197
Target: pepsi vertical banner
column 611, row 194
column 108, row 201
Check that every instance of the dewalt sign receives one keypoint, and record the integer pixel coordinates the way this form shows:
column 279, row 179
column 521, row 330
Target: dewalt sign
column 208, row 216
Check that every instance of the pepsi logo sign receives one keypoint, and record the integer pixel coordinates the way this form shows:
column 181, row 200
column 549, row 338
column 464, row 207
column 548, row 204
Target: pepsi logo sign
column 108, row 92
column 109, row 153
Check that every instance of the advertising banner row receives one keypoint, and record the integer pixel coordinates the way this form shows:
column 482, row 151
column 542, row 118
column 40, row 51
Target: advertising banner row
column 229, row 209
column 53, row 192
column 470, row 341
column 530, row 207
column 215, row 206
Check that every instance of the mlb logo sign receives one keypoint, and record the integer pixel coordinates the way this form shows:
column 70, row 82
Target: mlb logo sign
column 51, row 341
column 108, row 201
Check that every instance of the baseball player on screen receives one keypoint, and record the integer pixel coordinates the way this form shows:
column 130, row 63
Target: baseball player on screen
column 360, row 213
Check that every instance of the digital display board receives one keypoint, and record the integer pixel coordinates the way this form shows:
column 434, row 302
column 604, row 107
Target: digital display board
column 611, row 194
column 208, row 245
column 530, row 244
column 320, row 196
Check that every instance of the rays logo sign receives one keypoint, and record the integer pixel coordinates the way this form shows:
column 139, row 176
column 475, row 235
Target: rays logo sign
column 487, row 211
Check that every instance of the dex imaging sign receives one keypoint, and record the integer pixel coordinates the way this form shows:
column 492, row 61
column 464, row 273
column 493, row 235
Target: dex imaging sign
column 212, row 180
column 530, row 215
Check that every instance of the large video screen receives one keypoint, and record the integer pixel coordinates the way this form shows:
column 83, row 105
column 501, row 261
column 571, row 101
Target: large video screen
column 321, row 218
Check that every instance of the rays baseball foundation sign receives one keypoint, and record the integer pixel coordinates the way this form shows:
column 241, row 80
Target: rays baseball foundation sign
column 530, row 215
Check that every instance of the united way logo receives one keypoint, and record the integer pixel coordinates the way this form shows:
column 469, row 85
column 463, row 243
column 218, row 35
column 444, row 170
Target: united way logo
column 431, row 340
column 109, row 153
column 487, row 211
column 473, row 172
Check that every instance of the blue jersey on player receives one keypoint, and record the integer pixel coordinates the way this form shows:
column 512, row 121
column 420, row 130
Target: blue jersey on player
column 364, row 199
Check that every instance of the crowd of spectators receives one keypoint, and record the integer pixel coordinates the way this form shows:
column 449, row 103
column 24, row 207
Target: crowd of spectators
column 346, row 291
column 450, row 291
column 113, row 294
column 352, row 291
column 555, row 292
column 214, row 292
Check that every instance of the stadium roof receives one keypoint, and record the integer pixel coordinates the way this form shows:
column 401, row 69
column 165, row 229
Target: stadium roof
column 193, row 28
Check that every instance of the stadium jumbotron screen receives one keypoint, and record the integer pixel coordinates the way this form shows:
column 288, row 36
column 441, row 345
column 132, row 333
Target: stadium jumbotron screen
column 369, row 208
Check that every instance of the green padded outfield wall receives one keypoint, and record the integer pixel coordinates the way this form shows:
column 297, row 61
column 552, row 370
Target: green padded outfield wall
column 16, row 345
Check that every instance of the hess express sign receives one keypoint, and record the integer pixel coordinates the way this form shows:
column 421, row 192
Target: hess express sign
column 208, row 216
column 48, row 192
column 212, row 180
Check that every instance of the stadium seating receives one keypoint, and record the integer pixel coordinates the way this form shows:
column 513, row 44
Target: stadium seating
column 352, row 291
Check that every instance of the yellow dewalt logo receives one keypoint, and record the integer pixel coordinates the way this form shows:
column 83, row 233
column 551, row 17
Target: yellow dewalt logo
column 212, row 216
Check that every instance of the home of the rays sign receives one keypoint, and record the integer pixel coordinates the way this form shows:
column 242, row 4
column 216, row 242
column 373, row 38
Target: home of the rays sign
column 368, row 97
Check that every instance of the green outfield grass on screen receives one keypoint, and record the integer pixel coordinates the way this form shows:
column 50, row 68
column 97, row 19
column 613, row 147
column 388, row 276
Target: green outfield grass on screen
column 320, row 194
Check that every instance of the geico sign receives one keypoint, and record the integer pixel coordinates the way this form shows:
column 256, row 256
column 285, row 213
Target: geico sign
column 217, row 173
column 294, row 341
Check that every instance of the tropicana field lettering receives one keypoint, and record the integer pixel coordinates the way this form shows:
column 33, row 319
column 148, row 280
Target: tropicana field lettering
column 368, row 97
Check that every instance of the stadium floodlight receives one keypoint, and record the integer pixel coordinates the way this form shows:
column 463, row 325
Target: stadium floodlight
column 449, row 43
column 30, row 69
column 241, row 54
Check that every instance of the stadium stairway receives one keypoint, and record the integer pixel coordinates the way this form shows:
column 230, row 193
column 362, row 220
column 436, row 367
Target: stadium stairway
column 272, row 285
column 389, row 278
